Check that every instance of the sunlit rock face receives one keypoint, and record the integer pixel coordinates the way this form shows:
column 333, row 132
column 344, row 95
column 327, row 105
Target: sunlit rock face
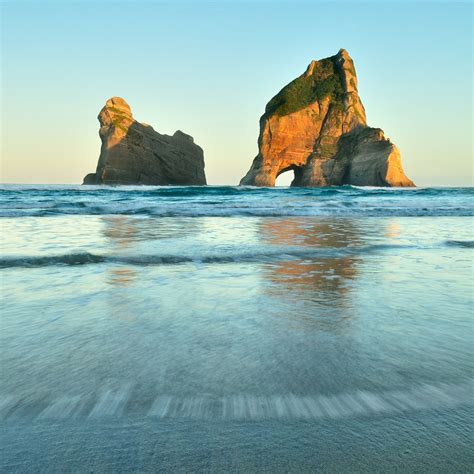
column 134, row 153
column 316, row 126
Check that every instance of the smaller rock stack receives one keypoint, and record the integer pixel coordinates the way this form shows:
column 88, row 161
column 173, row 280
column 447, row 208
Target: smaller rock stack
column 134, row 153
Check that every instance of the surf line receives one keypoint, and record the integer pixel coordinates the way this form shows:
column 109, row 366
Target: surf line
column 118, row 403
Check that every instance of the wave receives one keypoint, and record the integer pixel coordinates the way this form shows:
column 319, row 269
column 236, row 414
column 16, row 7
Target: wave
column 127, row 401
column 104, row 211
column 261, row 256
column 468, row 244
column 51, row 260
column 177, row 191
column 240, row 209
column 228, row 201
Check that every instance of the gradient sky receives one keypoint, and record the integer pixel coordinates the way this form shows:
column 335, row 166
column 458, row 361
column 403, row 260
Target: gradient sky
column 210, row 68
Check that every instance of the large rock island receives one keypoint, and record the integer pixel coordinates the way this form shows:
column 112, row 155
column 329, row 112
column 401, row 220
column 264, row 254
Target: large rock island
column 134, row 153
column 316, row 126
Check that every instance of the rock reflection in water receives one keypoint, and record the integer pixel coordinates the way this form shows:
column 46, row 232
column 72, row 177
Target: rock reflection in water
column 123, row 230
column 121, row 276
column 325, row 280
column 133, row 236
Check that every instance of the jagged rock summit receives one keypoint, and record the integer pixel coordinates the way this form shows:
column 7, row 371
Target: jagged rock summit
column 134, row 153
column 316, row 126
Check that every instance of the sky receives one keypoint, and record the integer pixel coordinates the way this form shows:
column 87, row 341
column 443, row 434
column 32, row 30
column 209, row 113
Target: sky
column 209, row 68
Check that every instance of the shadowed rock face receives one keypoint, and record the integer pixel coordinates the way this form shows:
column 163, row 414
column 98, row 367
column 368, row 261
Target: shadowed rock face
column 316, row 126
column 134, row 153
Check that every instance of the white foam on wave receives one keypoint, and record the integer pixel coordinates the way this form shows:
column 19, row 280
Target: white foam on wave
column 64, row 407
column 110, row 403
column 229, row 201
column 119, row 403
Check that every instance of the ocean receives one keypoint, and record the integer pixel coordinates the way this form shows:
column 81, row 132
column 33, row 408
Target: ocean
column 236, row 329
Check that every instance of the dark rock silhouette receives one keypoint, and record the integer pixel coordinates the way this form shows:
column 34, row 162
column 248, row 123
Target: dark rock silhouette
column 134, row 153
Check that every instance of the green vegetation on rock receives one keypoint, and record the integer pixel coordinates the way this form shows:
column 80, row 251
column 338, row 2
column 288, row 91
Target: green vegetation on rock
column 324, row 81
column 119, row 118
column 116, row 110
column 118, row 125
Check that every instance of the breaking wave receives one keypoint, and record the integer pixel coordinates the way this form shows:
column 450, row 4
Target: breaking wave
column 244, row 407
column 230, row 256
column 228, row 201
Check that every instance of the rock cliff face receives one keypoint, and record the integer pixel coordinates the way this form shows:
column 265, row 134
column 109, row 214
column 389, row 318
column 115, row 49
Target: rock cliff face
column 134, row 153
column 316, row 126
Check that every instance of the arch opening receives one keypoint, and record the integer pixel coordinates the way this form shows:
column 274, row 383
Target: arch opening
column 290, row 176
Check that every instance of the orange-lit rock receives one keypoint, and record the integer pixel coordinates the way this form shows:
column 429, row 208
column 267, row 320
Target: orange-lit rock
column 316, row 126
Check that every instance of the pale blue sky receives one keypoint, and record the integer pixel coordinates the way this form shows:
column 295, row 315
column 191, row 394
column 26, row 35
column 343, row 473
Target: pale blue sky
column 210, row 68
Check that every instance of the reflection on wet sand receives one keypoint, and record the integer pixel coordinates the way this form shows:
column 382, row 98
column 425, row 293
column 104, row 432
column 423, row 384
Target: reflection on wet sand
column 325, row 279
column 125, row 234
column 120, row 231
column 121, row 276
column 123, row 230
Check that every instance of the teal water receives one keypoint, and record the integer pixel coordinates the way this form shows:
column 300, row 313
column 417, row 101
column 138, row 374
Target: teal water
column 227, row 329
column 228, row 201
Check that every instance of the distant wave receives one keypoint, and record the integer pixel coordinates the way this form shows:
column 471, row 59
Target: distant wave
column 239, row 212
column 265, row 255
column 469, row 244
column 39, row 261
column 229, row 201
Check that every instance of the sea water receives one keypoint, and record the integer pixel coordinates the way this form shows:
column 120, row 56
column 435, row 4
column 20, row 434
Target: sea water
column 236, row 328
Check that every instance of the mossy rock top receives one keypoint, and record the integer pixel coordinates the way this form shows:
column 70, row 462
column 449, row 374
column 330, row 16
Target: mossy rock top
column 323, row 81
